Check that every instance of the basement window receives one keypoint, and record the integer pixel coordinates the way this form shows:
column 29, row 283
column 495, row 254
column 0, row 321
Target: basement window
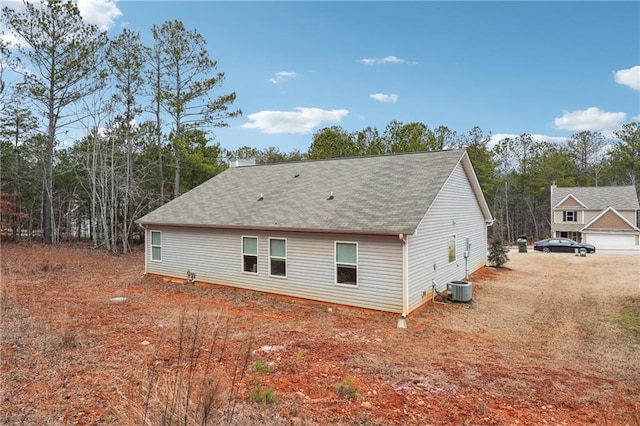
column 156, row 246
column 250, row 254
column 346, row 263
column 278, row 257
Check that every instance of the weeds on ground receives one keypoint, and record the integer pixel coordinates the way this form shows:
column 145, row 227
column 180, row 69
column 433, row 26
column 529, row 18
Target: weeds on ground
column 193, row 391
column 297, row 360
column 348, row 388
column 258, row 392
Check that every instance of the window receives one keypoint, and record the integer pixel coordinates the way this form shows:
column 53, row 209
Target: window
column 250, row 254
column 570, row 216
column 278, row 257
column 156, row 245
column 452, row 248
column 347, row 263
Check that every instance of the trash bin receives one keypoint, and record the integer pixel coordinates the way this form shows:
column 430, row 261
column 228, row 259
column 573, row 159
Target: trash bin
column 583, row 252
column 522, row 245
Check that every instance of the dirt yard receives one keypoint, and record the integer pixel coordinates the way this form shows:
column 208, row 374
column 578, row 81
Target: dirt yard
column 87, row 340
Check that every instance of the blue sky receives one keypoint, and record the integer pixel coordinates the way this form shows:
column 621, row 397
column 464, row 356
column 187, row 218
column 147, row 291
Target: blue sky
column 544, row 68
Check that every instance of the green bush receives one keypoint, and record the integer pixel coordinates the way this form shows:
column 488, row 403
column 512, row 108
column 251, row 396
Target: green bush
column 497, row 254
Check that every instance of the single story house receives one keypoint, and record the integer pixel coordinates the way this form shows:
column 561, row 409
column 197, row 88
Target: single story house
column 375, row 232
column 605, row 216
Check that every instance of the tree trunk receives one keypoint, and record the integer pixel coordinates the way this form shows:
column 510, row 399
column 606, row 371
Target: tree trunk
column 159, row 132
column 127, row 194
column 14, row 225
column 176, row 181
column 47, row 192
column 94, row 196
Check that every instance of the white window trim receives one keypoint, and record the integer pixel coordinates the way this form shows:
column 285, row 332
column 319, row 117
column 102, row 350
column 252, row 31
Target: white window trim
column 574, row 213
column 242, row 254
column 336, row 263
column 455, row 249
column 151, row 245
column 286, row 252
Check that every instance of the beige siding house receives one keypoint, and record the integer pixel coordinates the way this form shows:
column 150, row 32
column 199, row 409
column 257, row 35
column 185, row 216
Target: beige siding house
column 372, row 232
column 605, row 216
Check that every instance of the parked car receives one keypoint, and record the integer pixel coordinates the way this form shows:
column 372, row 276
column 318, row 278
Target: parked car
column 562, row 245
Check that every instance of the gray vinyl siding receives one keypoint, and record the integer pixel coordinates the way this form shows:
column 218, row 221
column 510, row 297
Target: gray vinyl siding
column 455, row 211
column 215, row 256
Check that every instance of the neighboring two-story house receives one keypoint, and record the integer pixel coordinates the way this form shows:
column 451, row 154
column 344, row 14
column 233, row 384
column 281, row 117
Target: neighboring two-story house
column 605, row 216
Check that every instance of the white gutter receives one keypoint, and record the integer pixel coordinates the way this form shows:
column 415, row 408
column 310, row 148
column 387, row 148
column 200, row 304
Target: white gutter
column 146, row 257
column 402, row 321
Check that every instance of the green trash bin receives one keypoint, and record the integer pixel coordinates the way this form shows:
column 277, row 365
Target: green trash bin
column 522, row 245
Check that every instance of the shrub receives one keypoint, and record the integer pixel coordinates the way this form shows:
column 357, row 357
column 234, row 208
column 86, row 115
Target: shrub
column 497, row 254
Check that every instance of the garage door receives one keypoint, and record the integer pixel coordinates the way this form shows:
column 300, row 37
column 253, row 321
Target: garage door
column 611, row 240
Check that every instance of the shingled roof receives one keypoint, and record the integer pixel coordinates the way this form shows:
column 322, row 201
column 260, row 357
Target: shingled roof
column 599, row 197
column 387, row 194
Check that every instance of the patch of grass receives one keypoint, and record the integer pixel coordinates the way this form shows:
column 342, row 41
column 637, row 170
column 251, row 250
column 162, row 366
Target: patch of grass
column 68, row 338
column 348, row 388
column 297, row 360
column 261, row 367
column 261, row 395
column 630, row 322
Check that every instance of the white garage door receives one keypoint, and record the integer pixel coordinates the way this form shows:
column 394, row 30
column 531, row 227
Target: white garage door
column 603, row 241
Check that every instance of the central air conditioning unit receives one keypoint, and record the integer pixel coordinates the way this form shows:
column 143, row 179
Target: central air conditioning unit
column 459, row 291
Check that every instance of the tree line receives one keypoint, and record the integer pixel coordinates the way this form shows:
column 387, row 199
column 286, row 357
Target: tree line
column 124, row 164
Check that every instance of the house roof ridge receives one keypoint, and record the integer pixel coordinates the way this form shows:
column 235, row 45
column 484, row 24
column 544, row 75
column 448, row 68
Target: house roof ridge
column 318, row 160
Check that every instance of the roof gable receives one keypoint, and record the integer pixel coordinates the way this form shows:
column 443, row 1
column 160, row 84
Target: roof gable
column 598, row 197
column 570, row 201
column 609, row 219
column 384, row 194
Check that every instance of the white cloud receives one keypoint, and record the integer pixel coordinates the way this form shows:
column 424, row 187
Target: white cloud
column 283, row 76
column 102, row 13
column 12, row 39
column 381, row 97
column 592, row 118
column 636, row 118
column 7, row 36
column 386, row 60
column 630, row 77
column 302, row 120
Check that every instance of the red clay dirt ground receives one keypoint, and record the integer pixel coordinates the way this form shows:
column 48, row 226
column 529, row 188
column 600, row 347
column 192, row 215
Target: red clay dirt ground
column 551, row 339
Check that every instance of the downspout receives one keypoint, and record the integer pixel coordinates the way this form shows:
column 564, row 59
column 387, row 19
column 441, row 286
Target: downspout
column 146, row 255
column 552, row 218
column 402, row 321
